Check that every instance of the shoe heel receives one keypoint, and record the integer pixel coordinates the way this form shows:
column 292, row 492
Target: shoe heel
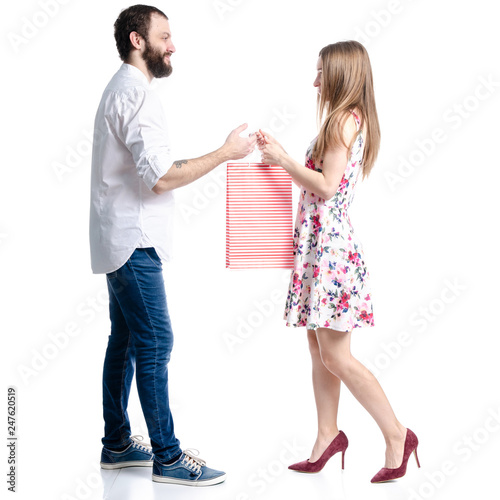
column 416, row 457
column 343, row 453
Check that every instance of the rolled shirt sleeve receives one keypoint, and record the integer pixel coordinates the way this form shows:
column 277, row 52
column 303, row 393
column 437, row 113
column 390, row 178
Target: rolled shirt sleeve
column 143, row 130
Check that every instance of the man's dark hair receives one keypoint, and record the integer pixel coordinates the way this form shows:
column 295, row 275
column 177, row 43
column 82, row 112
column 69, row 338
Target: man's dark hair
column 136, row 18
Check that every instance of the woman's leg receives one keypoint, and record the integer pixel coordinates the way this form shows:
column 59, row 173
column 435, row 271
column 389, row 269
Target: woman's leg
column 326, row 393
column 335, row 349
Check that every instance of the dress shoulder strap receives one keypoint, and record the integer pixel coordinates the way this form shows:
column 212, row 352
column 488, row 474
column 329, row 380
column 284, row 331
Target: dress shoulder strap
column 356, row 118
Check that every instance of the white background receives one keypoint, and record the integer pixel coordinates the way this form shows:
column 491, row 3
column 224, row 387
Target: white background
column 239, row 379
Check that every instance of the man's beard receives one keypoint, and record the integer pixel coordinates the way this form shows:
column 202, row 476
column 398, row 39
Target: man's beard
column 155, row 62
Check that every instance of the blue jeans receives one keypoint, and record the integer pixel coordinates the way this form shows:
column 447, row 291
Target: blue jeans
column 141, row 339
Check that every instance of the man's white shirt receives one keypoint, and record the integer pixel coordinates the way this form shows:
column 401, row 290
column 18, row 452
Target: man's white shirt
column 131, row 151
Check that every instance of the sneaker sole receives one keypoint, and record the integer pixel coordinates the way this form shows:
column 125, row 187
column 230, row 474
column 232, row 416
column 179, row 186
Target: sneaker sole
column 123, row 465
column 185, row 482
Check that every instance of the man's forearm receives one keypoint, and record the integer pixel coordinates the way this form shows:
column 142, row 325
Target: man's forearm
column 183, row 172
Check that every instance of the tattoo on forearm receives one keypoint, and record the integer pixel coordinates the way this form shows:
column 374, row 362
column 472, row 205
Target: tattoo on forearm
column 179, row 163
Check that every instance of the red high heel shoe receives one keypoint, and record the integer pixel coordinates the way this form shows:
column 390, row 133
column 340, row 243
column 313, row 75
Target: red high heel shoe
column 385, row 474
column 340, row 443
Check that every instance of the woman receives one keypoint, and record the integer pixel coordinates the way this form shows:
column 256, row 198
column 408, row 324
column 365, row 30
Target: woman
column 329, row 292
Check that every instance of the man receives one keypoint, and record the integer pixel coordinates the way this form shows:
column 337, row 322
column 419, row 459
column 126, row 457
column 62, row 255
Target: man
column 130, row 227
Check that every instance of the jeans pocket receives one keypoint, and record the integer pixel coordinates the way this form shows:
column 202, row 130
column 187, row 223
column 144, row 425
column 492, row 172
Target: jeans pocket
column 153, row 257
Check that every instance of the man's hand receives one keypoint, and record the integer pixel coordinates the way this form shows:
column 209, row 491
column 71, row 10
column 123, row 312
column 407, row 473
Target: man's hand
column 237, row 147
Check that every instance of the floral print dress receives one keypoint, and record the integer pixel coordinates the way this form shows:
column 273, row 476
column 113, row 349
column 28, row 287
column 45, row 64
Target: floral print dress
column 329, row 286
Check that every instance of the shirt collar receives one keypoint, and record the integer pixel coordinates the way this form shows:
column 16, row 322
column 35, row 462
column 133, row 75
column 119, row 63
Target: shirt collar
column 136, row 72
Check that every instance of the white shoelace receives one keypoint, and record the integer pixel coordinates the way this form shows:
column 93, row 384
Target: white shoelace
column 192, row 461
column 137, row 443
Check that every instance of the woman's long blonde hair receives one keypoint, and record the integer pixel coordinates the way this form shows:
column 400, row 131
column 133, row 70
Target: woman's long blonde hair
column 347, row 84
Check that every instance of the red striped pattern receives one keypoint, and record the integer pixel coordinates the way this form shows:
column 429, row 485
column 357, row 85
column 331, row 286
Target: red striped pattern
column 259, row 221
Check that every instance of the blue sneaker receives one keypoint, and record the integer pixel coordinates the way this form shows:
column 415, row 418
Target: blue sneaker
column 189, row 470
column 137, row 454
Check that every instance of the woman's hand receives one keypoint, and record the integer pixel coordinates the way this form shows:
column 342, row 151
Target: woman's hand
column 272, row 151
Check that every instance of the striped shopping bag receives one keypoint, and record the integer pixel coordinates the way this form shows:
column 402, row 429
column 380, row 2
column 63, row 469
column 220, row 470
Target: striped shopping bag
column 259, row 221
